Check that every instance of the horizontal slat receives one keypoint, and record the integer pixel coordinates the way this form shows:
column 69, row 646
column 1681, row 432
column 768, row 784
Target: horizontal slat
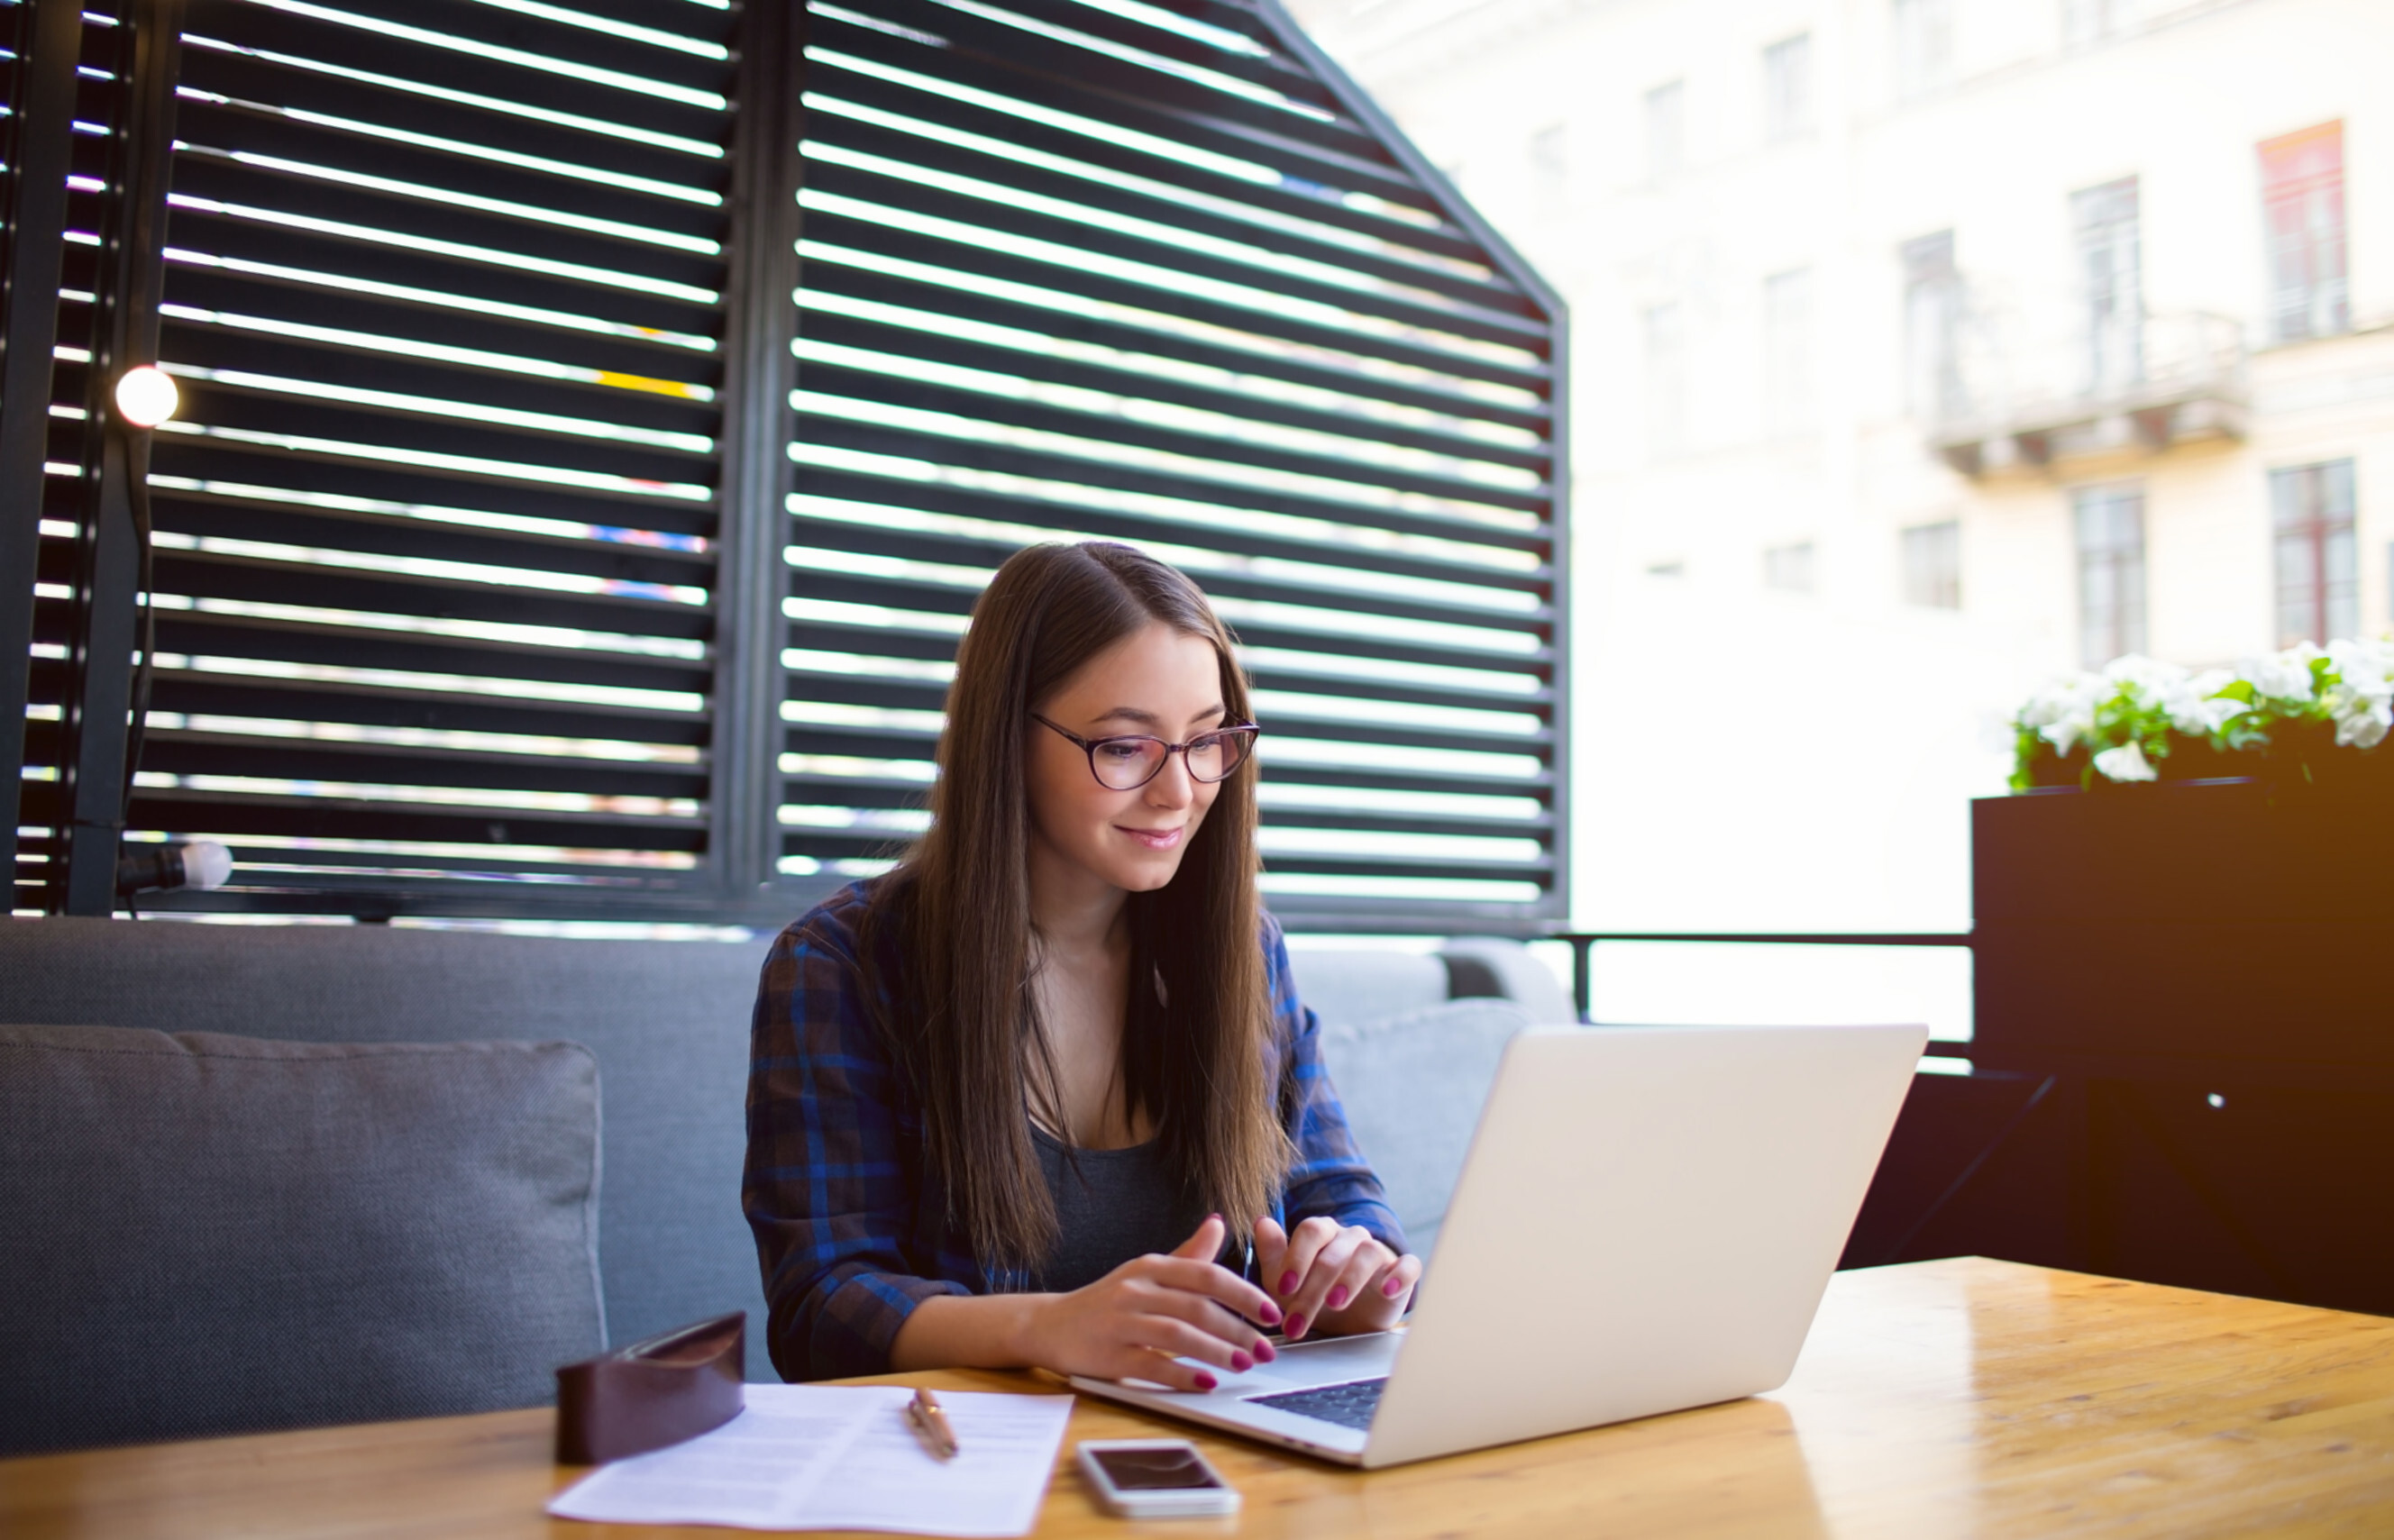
column 967, row 448
column 851, row 583
column 338, row 817
column 1046, row 353
column 1276, row 565
column 628, row 558
column 846, row 687
column 464, row 596
column 827, row 636
column 208, row 693
column 1132, row 423
column 176, row 753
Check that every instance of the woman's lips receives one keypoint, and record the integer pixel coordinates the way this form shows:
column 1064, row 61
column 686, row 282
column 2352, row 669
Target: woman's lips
column 1155, row 838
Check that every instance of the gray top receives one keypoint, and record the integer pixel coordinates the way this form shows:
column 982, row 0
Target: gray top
column 1120, row 1204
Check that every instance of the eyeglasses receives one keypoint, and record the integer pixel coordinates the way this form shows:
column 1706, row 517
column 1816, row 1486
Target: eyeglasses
column 1129, row 761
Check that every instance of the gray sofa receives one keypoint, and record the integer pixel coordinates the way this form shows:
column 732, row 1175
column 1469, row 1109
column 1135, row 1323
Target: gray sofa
column 1410, row 1038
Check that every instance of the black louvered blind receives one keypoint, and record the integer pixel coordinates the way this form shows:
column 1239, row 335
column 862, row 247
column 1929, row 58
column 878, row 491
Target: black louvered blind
column 1080, row 268
column 465, row 581
column 443, row 289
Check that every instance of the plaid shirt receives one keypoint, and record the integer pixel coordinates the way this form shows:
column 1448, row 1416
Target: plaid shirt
column 851, row 1230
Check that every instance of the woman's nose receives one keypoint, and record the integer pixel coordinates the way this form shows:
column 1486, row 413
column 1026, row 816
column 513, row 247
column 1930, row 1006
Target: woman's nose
column 1172, row 786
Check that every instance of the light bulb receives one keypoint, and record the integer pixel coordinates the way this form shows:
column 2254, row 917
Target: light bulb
column 146, row 395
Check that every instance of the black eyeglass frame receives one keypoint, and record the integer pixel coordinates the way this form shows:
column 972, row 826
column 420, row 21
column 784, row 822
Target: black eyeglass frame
column 1247, row 731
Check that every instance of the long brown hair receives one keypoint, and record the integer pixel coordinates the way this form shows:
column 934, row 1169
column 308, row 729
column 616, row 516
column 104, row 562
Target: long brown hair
column 962, row 1018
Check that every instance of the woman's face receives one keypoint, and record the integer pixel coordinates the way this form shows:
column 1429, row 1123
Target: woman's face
column 1160, row 681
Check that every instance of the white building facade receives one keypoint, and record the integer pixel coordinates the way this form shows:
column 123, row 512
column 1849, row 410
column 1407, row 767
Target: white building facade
column 1923, row 349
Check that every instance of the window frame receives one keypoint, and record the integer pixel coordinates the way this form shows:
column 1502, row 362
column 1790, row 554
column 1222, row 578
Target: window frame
column 2314, row 511
column 2105, row 556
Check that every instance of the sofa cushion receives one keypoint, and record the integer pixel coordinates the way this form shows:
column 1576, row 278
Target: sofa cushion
column 1412, row 1086
column 215, row 1235
column 1351, row 984
column 667, row 1019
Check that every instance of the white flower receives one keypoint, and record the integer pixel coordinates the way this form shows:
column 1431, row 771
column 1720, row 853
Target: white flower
column 2127, row 763
column 2366, row 662
column 2195, row 706
column 2361, row 699
column 2286, row 676
column 2144, row 678
column 2065, row 713
column 2364, row 725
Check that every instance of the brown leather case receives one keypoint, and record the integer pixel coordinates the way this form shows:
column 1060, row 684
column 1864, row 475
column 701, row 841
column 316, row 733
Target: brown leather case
column 673, row 1385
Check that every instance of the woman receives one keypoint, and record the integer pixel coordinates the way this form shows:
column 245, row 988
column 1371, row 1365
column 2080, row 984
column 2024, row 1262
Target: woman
column 1020, row 1101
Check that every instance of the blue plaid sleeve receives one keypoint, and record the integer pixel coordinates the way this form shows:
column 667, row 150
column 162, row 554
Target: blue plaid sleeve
column 833, row 1185
column 1331, row 1176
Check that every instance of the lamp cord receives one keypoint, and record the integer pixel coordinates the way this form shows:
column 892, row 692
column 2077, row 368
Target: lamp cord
column 137, row 733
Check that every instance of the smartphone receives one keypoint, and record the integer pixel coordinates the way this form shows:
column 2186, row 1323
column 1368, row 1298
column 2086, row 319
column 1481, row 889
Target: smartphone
column 1155, row 1478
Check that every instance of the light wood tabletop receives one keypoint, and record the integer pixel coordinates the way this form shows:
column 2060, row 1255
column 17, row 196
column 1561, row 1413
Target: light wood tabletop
column 1962, row 1398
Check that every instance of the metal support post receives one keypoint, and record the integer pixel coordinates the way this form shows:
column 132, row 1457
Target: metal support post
column 36, row 205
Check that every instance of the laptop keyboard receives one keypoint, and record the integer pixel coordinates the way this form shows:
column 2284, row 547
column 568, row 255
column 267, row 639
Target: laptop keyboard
column 1348, row 1405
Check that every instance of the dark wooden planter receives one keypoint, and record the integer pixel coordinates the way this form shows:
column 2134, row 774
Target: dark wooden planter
column 2250, row 922
column 2198, row 976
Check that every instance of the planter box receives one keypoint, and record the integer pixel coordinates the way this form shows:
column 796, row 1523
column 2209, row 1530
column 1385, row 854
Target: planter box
column 2170, row 931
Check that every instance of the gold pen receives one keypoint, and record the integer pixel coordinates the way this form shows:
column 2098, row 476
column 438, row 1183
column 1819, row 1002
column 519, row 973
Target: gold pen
column 930, row 1424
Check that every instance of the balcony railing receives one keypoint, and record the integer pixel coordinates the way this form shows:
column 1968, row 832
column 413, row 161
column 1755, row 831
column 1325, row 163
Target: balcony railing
column 2020, row 388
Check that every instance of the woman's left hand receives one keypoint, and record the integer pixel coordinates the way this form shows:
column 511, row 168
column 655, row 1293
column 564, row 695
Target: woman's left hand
column 1332, row 1278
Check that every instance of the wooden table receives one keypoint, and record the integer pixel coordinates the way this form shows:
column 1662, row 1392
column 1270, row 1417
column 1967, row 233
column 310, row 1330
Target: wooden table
column 1962, row 1398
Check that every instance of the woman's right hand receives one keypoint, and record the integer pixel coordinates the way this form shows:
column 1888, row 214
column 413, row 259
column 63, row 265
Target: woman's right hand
column 1136, row 1321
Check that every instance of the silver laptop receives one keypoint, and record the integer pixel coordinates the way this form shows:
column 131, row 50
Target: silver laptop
column 1646, row 1222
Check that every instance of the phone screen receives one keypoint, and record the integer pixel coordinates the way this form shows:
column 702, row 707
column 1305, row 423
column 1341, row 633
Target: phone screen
column 1154, row 1469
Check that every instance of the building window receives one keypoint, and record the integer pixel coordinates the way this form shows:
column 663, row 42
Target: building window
column 1932, row 327
column 2302, row 204
column 2110, row 523
column 1787, row 349
column 1789, row 567
column 1666, row 130
column 1932, row 565
column 2109, row 268
column 1787, row 87
column 1667, row 379
column 1924, row 47
column 2319, row 589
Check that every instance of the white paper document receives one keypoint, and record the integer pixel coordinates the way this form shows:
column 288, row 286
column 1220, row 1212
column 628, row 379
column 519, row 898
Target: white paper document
column 829, row 1457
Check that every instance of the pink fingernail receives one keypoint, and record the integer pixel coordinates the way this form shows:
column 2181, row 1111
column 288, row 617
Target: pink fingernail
column 1240, row 1362
column 1297, row 1326
column 1206, row 1382
column 1271, row 1313
column 1287, row 1282
column 1264, row 1352
column 1393, row 1287
column 1337, row 1296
